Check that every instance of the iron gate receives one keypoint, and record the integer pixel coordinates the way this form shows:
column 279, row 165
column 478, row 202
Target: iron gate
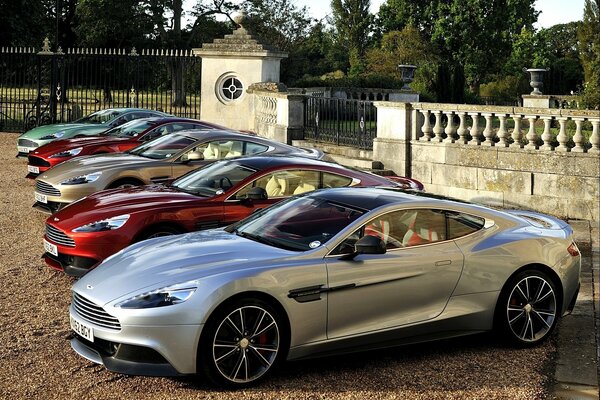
column 42, row 87
column 340, row 121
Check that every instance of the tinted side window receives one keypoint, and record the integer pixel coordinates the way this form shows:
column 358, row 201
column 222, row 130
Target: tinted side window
column 255, row 148
column 334, row 180
column 462, row 224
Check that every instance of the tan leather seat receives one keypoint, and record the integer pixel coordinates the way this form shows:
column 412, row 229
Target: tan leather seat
column 235, row 150
column 211, row 152
column 276, row 187
column 304, row 187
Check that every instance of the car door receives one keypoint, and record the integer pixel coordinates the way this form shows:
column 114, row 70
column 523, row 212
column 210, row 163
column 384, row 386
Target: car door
column 410, row 283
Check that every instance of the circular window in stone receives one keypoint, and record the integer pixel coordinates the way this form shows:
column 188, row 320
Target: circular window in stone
column 230, row 88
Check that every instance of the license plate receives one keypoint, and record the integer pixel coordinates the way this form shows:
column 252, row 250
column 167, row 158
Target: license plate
column 50, row 248
column 42, row 198
column 33, row 170
column 82, row 329
column 22, row 149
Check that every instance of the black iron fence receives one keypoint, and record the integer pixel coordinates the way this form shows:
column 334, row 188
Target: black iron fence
column 42, row 87
column 340, row 121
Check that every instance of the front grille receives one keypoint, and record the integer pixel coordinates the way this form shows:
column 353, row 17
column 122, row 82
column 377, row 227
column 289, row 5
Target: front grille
column 37, row 162
column 27, row 143
column 58, row 236
column 93, row 313
column 46, row 188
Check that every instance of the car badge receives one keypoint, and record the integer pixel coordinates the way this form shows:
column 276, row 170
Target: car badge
column 89, row 287
column 315, row 244
column 45, row 176
column 56, row 219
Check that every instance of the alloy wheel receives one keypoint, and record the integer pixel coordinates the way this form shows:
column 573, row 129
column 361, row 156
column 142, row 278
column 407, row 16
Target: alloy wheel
column 246, row 344
column 531, row 309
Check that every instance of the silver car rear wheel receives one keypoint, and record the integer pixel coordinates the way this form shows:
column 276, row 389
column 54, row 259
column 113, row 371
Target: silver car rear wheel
column 531, row 308
column 246, row 341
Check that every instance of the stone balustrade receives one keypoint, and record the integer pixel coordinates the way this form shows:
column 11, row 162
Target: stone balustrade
column 277, row 114
column 514, row 127
column 546, row 160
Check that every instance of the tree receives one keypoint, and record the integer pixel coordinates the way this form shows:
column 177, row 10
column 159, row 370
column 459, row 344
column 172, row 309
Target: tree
column 472, row 37
column 23, row 23
column 278, row 22
column 314, row 55
column 353, row 21
column 404, row 47
column 589, row 38
column 115, row 24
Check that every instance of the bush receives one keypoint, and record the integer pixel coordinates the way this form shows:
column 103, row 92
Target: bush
column 506, row 88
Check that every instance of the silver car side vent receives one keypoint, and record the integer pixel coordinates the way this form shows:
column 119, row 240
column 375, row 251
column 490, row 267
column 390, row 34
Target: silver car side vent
column 306, row 294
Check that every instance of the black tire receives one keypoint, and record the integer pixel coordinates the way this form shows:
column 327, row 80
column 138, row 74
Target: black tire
column 234, row 356
column 528, row 309
column 158, row 231
column 125, row 183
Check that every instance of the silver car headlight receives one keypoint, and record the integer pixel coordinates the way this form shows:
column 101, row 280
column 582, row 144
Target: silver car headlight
column 78, row 180
column 166, row 296
column 67, row 153
column 107, row 224
column 55, row 135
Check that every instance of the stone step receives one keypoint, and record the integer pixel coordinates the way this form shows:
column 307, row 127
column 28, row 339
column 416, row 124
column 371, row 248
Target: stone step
column 345, row 151
column 361, row 163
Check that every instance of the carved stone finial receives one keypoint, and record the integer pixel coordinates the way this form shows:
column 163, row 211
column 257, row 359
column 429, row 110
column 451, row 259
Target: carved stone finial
column 46, row 45
column 240, row 18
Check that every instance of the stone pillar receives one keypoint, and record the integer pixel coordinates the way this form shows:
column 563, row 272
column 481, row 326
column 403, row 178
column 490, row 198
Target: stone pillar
column 394, row 122
column 229, row 66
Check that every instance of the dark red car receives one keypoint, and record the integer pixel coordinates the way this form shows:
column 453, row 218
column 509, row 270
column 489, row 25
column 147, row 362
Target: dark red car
column 115, row 140
column 80, row 236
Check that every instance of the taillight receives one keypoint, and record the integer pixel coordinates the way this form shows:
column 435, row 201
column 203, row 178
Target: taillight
column 573, row 250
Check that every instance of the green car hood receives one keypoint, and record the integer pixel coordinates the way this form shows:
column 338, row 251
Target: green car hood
column 69, row 131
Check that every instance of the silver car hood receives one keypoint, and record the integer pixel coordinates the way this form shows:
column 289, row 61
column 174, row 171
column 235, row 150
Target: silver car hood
column 160, row 262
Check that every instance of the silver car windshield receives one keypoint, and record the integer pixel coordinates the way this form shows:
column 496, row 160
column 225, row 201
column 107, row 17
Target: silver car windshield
column 213, row 179
column 163, row 147
column 299, row 224
column 130, row 129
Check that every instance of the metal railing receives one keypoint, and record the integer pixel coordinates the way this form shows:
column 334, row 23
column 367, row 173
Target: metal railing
column 340, row 121
column 41, row 87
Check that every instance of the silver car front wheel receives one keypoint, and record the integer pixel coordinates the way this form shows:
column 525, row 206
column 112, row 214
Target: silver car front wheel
column 530, row 308
column 246, row 340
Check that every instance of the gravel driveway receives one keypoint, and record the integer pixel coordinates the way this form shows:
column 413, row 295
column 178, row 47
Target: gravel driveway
column 37, row 360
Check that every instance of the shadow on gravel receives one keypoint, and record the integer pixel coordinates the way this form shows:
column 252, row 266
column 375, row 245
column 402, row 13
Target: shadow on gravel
column 467, row 363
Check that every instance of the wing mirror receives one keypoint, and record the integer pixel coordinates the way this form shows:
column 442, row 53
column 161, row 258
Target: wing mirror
column 367, row 244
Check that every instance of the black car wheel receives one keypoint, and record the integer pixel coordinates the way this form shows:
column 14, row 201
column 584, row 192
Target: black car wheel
column 528, row 309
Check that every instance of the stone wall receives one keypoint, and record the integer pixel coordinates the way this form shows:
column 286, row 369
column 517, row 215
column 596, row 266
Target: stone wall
column 460, row 155
column 562, row 184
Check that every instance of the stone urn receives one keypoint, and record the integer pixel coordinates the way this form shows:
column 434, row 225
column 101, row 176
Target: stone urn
column 536, row 79
column 407, row 75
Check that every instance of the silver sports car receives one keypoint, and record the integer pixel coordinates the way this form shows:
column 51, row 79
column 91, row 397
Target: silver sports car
column 331, row 271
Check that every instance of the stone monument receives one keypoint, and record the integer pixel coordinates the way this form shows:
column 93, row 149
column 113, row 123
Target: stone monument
column 229, row 66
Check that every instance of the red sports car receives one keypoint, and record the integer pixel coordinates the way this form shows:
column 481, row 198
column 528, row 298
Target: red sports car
column 81, row 235
column 115, row 140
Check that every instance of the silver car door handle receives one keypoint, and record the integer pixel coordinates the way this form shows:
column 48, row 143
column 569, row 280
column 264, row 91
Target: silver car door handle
column 443, row 262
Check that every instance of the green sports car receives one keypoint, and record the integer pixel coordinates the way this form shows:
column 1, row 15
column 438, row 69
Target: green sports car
column 90, row 125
